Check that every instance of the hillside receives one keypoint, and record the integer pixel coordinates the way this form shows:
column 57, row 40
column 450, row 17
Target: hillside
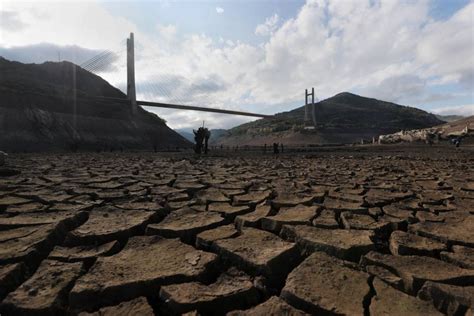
column 449, row 118
column 38, row 112
column 343, row 118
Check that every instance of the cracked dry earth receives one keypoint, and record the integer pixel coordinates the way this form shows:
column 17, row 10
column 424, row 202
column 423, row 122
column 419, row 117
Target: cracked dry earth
column 355, row 233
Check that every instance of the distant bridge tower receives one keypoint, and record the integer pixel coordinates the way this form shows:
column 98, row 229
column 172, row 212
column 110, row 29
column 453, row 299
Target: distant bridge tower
column 131, row 91
column 309, row 109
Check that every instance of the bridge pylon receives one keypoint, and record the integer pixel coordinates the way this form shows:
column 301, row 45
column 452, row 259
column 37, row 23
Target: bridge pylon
column 309, row 110
column 131, row 90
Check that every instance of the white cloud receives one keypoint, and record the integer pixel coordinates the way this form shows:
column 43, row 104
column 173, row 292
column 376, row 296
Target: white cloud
column 447, row 48
column 10, row 21
column 268, row 27
column 167, row 31
column 85, row 24
column 465, row 110
column 219, row 10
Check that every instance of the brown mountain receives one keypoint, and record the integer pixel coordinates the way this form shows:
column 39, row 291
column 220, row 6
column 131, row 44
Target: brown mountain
column 39, row 113
column 343, row 118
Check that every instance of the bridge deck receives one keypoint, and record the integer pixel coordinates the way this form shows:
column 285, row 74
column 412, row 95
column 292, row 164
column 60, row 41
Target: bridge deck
column 199, row 108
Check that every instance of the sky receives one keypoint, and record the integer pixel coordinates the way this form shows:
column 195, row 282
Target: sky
column 259, row 55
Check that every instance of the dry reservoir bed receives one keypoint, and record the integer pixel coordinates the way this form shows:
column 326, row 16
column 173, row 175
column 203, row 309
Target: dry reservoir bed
column 373, row 232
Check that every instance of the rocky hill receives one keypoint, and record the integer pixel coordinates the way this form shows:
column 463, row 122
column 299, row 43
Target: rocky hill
column 450, row 118
column 343, row 118
column 38, row 112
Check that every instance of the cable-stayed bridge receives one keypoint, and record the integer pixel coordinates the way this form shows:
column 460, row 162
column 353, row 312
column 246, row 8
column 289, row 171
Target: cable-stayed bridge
column 101, row 62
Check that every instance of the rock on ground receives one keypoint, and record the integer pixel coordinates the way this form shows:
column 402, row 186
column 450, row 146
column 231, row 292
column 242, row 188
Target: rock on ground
column 323, row 284
column 108, row 224
column 258, row 252
column 341, row 243
column 145, row 263
column 45, row 292
column 229, row 211
column 138, row 306
column 461, row 256
column 415, row 270
column 449, row 299
column 232, row 290
column 455, row 233
column 297, row 215
column 205, row 239
column 388, row 301
column 402, row 243
column 11, row 275
column 83, row 253
column 33, row 219
column 326, row 219
column 254, row 218
column 274, row 306
column 185, row 224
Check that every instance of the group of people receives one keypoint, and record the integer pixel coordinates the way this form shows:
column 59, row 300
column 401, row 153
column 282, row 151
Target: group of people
column 276, row 148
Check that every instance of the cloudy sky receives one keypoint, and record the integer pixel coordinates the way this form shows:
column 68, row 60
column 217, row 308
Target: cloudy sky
column 260, row 55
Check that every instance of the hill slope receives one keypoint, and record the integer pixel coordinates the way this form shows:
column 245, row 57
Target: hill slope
column 449, row 118
column 343, row 118
column 38, row 112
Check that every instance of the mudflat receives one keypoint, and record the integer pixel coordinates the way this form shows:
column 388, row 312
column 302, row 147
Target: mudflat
column 343, row 230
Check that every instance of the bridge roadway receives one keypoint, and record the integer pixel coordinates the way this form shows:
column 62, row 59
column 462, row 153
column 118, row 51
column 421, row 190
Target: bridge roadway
column 181, row 107
column 149, row 103
column 199, row 108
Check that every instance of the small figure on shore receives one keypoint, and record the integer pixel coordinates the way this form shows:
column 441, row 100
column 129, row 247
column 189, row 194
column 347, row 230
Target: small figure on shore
column 275, row 148
column 457, row 141
column 281, row 146
column 265, row 148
